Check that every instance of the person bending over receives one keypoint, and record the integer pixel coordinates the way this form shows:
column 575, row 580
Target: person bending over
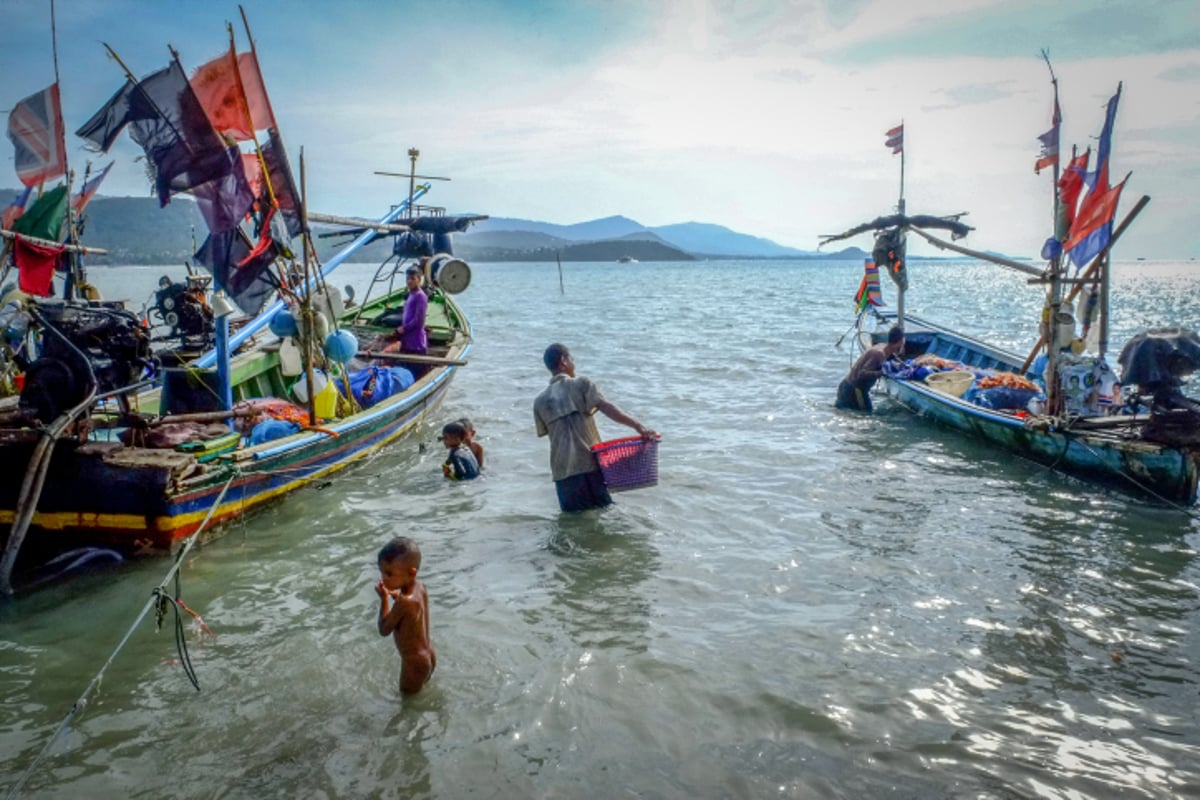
column 855, row 389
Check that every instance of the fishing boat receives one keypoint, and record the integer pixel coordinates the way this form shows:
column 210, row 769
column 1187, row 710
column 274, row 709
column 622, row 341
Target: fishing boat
column 1061, row 405
column 109, row 445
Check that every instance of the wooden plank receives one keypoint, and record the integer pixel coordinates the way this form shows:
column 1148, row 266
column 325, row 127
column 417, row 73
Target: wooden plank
column 412, row 358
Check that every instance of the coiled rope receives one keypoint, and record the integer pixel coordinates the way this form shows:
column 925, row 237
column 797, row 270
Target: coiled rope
column 157, row 601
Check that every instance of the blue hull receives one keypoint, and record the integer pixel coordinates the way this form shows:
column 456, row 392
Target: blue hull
column 1111, row 455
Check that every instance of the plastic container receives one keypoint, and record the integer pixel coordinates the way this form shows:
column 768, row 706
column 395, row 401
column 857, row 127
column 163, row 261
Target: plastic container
column 629, row 463
column 324, row 394
column 952, row 383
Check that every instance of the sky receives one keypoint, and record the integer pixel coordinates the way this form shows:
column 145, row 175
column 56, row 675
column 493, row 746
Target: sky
column 767, row 117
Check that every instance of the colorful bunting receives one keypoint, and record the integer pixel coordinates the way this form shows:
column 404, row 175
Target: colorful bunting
column 869, row 293
column 35, row 126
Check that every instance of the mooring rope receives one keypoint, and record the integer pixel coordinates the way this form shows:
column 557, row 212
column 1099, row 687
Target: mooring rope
column 158, row 596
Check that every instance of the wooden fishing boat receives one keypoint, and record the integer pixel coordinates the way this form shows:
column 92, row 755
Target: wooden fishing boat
column 1112, row 449
column 100, row 491
column 1061, row 405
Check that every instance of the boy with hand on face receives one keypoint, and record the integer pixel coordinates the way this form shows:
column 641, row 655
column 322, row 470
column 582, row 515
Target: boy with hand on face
column 404, row 612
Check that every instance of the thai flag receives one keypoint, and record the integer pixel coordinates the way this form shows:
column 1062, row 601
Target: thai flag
column 15, row 209
column 35, row 126
column 89, row 189
column 895, row 139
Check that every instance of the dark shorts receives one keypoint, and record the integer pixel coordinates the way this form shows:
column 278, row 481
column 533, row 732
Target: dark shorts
column 849, row 396
column 581, row 492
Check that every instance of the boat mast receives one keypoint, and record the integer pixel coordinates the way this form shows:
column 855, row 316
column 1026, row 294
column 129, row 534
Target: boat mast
column 1055, row 298
column 900, row 209
column 75, row 277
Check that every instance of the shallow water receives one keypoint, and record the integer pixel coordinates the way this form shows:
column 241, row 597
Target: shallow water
column 811, row 603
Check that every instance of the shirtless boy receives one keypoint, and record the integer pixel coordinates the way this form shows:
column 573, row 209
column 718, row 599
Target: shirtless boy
column 404, row 612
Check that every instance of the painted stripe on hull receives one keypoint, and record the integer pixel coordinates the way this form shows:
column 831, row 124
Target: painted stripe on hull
column 264, row 480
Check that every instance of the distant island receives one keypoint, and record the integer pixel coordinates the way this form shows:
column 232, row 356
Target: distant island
column 135, row 230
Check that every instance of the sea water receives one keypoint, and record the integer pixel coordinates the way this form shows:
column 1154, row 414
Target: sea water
column 811, row 603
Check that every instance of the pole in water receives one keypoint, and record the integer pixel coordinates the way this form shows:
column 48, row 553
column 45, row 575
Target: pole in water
column 558, row 256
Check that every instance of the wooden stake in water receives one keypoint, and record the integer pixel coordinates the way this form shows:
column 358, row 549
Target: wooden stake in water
column 561, row 290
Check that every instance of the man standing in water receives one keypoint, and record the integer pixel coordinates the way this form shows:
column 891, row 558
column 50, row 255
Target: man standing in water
column 563, row 411
column 855, row 389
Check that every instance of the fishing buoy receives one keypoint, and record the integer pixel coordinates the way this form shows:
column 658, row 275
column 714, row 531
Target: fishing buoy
column 290, row 360
column 340, row 346
column 283, row 324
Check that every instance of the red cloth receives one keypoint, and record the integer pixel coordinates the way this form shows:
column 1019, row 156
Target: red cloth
column 220, row 92
column 36, row 266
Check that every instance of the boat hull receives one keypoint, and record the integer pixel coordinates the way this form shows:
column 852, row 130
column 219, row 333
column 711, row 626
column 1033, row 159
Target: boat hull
column 1112, row 455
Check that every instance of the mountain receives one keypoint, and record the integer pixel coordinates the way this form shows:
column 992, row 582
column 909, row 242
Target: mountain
column 134, row 230
column 717, row 240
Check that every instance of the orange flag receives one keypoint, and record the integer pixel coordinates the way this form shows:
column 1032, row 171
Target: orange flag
column 216, row 86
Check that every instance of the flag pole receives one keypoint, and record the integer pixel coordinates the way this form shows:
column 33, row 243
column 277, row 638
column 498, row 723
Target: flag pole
column 900, row 205
column 76, row 276
column 1057, row 268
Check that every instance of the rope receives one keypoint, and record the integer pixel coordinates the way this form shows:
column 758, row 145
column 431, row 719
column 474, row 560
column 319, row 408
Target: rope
column 1140, row 485
column 156, row 599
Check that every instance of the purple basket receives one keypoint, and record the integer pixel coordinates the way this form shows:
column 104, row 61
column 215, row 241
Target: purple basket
column 630, row 463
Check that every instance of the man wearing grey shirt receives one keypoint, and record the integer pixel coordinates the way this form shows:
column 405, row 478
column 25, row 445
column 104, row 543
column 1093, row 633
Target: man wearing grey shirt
column 563, row 411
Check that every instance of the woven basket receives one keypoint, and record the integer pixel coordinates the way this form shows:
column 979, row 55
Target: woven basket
column 630, row 463
column 952, row 383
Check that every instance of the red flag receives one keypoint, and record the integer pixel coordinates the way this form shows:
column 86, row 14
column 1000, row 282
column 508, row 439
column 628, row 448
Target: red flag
column 1094, row 215
column 35, row 126
column 36, row 267
column 216, row 85
column 1070, row 184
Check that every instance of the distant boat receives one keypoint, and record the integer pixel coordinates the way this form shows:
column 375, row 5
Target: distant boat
column 627, row 260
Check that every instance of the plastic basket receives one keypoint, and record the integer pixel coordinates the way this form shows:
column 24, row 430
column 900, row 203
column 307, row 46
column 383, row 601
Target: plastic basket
column 630, row 463
column 952, row 383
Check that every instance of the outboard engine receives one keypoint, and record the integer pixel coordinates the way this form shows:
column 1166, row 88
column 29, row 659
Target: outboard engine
column 184, row 309
column 1158, row 361
column 113, row 341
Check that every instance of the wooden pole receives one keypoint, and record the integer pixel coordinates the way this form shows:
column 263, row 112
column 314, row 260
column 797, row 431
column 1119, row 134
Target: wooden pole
column 561, row 289
column 306, row 301
column 413, row 358
column 1092, row 270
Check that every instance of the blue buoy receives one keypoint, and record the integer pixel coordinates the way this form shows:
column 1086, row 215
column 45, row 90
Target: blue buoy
column 341, row 346
column 283, row 324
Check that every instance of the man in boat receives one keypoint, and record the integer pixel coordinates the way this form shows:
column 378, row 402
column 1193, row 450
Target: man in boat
column 410, row 333
column 855, row 389
column 564, row 412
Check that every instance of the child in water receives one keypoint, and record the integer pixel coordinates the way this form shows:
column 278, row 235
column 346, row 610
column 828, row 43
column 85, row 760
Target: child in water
column 460, row 464
column 470, row 442
column 404, row 612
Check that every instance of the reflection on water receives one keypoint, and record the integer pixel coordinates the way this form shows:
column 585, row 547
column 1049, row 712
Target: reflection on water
column 811, row 603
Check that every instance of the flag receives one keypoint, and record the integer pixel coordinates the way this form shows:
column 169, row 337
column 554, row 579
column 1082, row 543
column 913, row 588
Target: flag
column 35, row 126
column 1070, row 185
column 166, row 119
column 283, row 182
column 35, row 266
column 1049, row 155
column 44, row 219
column 895, row 139
column 88, row 190
column 1092, row 230
column 226, row 97
column 868, row 291
column 247, row 279
column 15, row 209
column 1098, row 179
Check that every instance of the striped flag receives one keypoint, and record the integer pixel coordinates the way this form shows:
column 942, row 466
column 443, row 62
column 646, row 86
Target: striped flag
column 895, row 139
column 14, row 211
column 89, row 189
column 35, row 126
column 868, row 291
column 1049, row 155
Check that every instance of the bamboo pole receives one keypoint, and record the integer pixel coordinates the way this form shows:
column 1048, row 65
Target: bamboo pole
column 414, row 358
column 70, row 248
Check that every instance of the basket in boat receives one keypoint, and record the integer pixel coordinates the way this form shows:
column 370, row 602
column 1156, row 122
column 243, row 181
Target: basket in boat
column 629, row 463
column 953, row 383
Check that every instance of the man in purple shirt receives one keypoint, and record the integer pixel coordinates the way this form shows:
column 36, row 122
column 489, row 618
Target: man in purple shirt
column 411, row 331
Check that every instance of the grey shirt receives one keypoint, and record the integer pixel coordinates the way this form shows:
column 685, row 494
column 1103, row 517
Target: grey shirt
column 563, row 411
